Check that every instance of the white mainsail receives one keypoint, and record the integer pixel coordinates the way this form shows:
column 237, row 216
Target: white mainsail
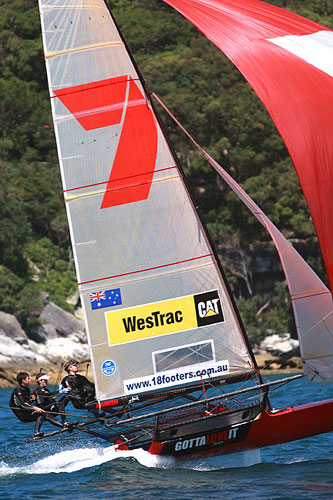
column 157, row 310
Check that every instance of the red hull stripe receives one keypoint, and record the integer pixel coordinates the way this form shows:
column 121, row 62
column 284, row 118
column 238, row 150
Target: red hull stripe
column 148, row 269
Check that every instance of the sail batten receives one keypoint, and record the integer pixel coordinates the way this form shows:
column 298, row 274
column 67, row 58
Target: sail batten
column 148, row 269
column 52, row 55
column 166, row 273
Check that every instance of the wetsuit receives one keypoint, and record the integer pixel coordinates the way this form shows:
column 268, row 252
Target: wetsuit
column 80, row 391
column 21, row 404
column 47, row 400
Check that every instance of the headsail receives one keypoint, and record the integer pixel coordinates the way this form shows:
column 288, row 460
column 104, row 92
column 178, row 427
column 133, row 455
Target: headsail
column 311, row 299
column 288, row 60
column 157, row 308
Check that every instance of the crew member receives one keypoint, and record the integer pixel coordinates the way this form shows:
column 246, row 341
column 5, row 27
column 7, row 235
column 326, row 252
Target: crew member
column 47, row 400
column 23, row 405
column 80, row 389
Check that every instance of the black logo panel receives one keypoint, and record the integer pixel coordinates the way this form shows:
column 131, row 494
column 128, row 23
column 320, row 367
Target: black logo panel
column 208, row 308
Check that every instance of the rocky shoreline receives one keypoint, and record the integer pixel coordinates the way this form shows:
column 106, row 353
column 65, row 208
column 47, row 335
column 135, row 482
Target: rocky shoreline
column 55, row 372
column 268, row 365
column 58, row 335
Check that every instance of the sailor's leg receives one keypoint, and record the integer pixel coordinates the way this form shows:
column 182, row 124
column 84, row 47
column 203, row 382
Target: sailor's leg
column 40, row 419
column 53, row 421
column 61, row 408
column 56, row 408
column 97, row 414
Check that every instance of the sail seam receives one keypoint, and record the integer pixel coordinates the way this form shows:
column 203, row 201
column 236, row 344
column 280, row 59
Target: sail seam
column 97, row 111
column 311, row 294
column 147, row 269
column 71, row 7
column 128, row 186
column 97, row 85
column 315, row 359
column 51, row 55
column 121, row 179
column 167, row 273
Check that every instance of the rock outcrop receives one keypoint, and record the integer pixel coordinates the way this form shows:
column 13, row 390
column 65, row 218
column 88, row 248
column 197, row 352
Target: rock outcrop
column 279, row 352
column 10, row 327
column 56, row 336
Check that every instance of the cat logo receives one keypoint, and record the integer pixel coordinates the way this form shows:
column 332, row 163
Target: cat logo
column 208, row 308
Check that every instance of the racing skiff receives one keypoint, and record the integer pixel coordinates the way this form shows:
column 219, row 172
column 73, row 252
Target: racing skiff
column 173, row 368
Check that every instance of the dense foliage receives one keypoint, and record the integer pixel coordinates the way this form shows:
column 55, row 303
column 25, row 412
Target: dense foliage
column 214, row 103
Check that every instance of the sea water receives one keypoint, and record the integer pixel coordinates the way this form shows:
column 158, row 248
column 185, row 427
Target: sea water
column 86, row 469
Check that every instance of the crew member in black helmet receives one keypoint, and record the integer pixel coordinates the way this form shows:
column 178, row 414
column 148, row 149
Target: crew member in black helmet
column 80, row 389
column 24, row 406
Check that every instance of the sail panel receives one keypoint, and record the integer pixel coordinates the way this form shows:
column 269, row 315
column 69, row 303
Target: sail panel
column 311, row 299
column 135, row 359
column 168, row 229
column 152, row 292
column 287, row 59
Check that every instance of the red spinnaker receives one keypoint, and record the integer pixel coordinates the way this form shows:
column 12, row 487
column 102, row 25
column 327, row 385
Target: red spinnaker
column 288, row 60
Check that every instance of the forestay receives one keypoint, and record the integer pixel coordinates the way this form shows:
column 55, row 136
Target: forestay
column 157, row 310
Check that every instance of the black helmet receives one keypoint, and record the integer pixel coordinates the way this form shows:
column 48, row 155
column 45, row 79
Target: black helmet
column 69, row 363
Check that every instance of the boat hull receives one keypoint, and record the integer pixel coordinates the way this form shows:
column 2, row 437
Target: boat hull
column 269, row 428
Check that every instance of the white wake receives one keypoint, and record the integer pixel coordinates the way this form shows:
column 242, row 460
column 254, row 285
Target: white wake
column 82, row 458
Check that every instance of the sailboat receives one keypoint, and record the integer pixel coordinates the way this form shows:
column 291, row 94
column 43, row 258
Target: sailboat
column 173, row 368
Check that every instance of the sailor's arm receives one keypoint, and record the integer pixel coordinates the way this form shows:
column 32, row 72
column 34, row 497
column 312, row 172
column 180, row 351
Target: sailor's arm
column 21, row 402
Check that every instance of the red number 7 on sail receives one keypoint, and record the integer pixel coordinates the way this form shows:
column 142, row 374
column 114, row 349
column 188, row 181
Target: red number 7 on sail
column 109, row 102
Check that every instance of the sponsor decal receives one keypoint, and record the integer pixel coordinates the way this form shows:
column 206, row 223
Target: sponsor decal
column 163, row 318
column 214, row 438
column 208, row 308
column 228, row 435
column 314, row 48
column 176, row 377
column 105, row 298
column 108, row 367
column 133, row 399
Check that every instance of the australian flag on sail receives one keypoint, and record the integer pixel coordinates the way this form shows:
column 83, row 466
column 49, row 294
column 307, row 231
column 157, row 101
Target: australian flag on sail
column 105, row 298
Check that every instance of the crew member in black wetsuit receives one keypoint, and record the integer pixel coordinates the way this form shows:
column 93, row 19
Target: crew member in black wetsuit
column 25, row 407
column 80, row 389
column 47, row 400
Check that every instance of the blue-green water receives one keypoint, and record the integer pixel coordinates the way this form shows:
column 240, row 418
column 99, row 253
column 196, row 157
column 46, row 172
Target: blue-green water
column 86, row 469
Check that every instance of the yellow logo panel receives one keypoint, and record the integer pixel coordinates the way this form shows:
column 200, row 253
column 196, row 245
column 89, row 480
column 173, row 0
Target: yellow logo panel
column 162, row 318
